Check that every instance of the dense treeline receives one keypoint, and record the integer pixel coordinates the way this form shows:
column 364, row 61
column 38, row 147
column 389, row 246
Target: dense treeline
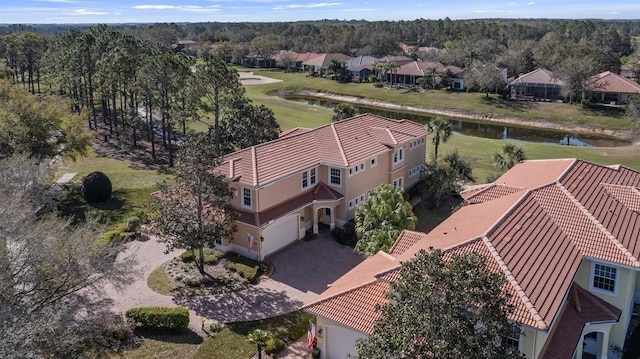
column 118, row 78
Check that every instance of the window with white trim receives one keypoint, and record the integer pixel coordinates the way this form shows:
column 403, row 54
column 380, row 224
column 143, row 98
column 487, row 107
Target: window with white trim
column 308, row 178
column 398, row 156
column 351, row 204
column 246, row 197
column 398, row 183
column 362, row 197
column 512, row 342
column 603, row 278
column 335, row 176
column 362, row 166
column 374, row 162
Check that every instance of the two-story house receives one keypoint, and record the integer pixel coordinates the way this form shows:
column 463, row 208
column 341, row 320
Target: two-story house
column 307, row 178
column 565, row 234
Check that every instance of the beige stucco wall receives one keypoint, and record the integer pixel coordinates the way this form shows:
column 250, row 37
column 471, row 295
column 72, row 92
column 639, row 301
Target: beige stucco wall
column 623, row 299
column 324, row 340
column 532, row 341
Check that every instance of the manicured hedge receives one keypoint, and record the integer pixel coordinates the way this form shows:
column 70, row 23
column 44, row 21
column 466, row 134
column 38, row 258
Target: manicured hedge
column 160, row 318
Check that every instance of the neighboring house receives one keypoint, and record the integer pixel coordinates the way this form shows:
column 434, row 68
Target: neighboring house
column 565, row 234
column 185, row 46
column 360, row 68
column 291, row 60
column 608, row 87
column 409, row 73
column 259, row 61
column 306, row 178
column 398, row 60
column 539, row 84
column 323, row 60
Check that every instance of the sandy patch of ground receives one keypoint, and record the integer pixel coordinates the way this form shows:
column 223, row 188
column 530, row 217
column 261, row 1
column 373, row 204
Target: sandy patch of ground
column 248, row 78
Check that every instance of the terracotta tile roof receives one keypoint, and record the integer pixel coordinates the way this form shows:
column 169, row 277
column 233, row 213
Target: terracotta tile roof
column 580, row 308
column 293, row 132
column 341, row 144
column 397, row 59
column 321, row 192
column 323, row 60
column 489, row 193
column 537, row 237
column 610, row 82
column 538, row 77
column 405, row 241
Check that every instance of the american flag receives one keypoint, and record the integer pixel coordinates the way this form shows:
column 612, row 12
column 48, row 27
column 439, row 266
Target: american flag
column 311, row 335
column 249, row 242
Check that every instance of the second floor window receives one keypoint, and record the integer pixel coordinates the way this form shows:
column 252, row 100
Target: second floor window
column 246, row 197
column 398, row 156
column 334, row 177
column 309, row 178
column 604, row 278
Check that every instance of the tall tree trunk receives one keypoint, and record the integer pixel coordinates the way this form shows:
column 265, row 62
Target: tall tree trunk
column 201, row 261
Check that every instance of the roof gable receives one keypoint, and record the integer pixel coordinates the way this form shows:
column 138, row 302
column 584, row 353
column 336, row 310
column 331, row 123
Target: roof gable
column 537, row 77
column 610, row 82
column 341, row 144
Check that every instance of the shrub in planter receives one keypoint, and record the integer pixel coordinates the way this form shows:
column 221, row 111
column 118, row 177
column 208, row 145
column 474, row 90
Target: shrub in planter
column 96, row 187
column 160, row 318
column 133, row 224
column 215, row 327
column 315, row 353
column 274, row 345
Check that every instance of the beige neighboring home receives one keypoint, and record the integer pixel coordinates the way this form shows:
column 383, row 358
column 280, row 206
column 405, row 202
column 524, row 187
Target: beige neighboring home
column 308, row 178
column 323, row 60
column 539, row 84
column 609, row 87
column 566, row 235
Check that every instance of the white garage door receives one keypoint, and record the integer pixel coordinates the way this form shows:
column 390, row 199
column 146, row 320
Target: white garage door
column 341, row 342
column 279, row 234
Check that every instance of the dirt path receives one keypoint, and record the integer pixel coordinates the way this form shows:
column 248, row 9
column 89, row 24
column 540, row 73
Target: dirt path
column 626, row 135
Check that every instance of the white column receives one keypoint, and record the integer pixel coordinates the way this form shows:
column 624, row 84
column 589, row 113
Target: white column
column 579, row 347
column 604, row 344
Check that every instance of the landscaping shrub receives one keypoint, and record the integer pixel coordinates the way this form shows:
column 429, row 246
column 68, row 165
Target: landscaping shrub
column 211, row 256
column 315, row 353
column 215, row 327
column 347, row 235
column 247, row 272
column 274, row 345
column 160, row 318
column 108, row 236
column 96, row 187
column 133, row 224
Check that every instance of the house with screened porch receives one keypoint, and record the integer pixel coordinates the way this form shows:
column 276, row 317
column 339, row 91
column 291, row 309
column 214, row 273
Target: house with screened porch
column 566, row 235
column 309, row 178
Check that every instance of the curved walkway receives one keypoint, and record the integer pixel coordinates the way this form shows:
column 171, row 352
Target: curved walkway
column 302, row 271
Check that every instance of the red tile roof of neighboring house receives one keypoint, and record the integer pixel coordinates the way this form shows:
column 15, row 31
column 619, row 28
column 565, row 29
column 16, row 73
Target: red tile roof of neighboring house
column 320, row 192
column 535, row 224
column 580, row 308
column 537, row 77
column 294, row 56
column 341, row 144
column 293, row 132
column 610, row 82
column 323, row 60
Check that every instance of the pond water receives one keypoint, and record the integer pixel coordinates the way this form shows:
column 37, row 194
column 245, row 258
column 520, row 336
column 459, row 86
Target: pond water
column 482, row 129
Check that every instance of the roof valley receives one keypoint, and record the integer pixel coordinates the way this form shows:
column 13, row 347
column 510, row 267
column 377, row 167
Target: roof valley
column 599, row 225
column 342, row 154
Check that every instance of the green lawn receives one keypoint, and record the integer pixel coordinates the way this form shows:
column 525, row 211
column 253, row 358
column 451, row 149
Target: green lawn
column 132, row 187
column 473, row 103
column 230, row 343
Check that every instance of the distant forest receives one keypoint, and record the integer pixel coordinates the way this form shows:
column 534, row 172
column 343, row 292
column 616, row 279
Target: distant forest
column 605, row 44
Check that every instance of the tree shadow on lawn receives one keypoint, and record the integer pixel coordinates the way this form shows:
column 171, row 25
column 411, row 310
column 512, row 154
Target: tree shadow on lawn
column 74, row 206
column 255, row 303
column 512, row 105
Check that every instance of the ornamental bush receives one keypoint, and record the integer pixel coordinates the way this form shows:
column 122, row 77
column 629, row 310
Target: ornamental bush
column 96, row 187
column 274, row 345
column 160, row 318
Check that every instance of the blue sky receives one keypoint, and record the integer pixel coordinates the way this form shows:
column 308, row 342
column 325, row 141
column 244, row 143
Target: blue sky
column 125, row 11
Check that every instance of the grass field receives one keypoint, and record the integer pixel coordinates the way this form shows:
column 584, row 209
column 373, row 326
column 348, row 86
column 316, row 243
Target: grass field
column 472, row 103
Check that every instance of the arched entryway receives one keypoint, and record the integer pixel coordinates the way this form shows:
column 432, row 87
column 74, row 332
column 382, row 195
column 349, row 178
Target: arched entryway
column 594, row 345
column 324, row 216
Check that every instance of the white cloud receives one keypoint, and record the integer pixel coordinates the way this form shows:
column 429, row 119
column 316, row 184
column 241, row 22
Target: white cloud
column 511, row 4
column 57, row 1
column 87, row 12
column 531, row 3
column 193, row 8
column 308, row 6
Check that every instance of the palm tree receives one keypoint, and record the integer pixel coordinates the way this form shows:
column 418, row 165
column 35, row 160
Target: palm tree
column 391, row 67
column 342, row 111
column 441, row 130
column 258, row 337
column 511, row 155
column 381, row 218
